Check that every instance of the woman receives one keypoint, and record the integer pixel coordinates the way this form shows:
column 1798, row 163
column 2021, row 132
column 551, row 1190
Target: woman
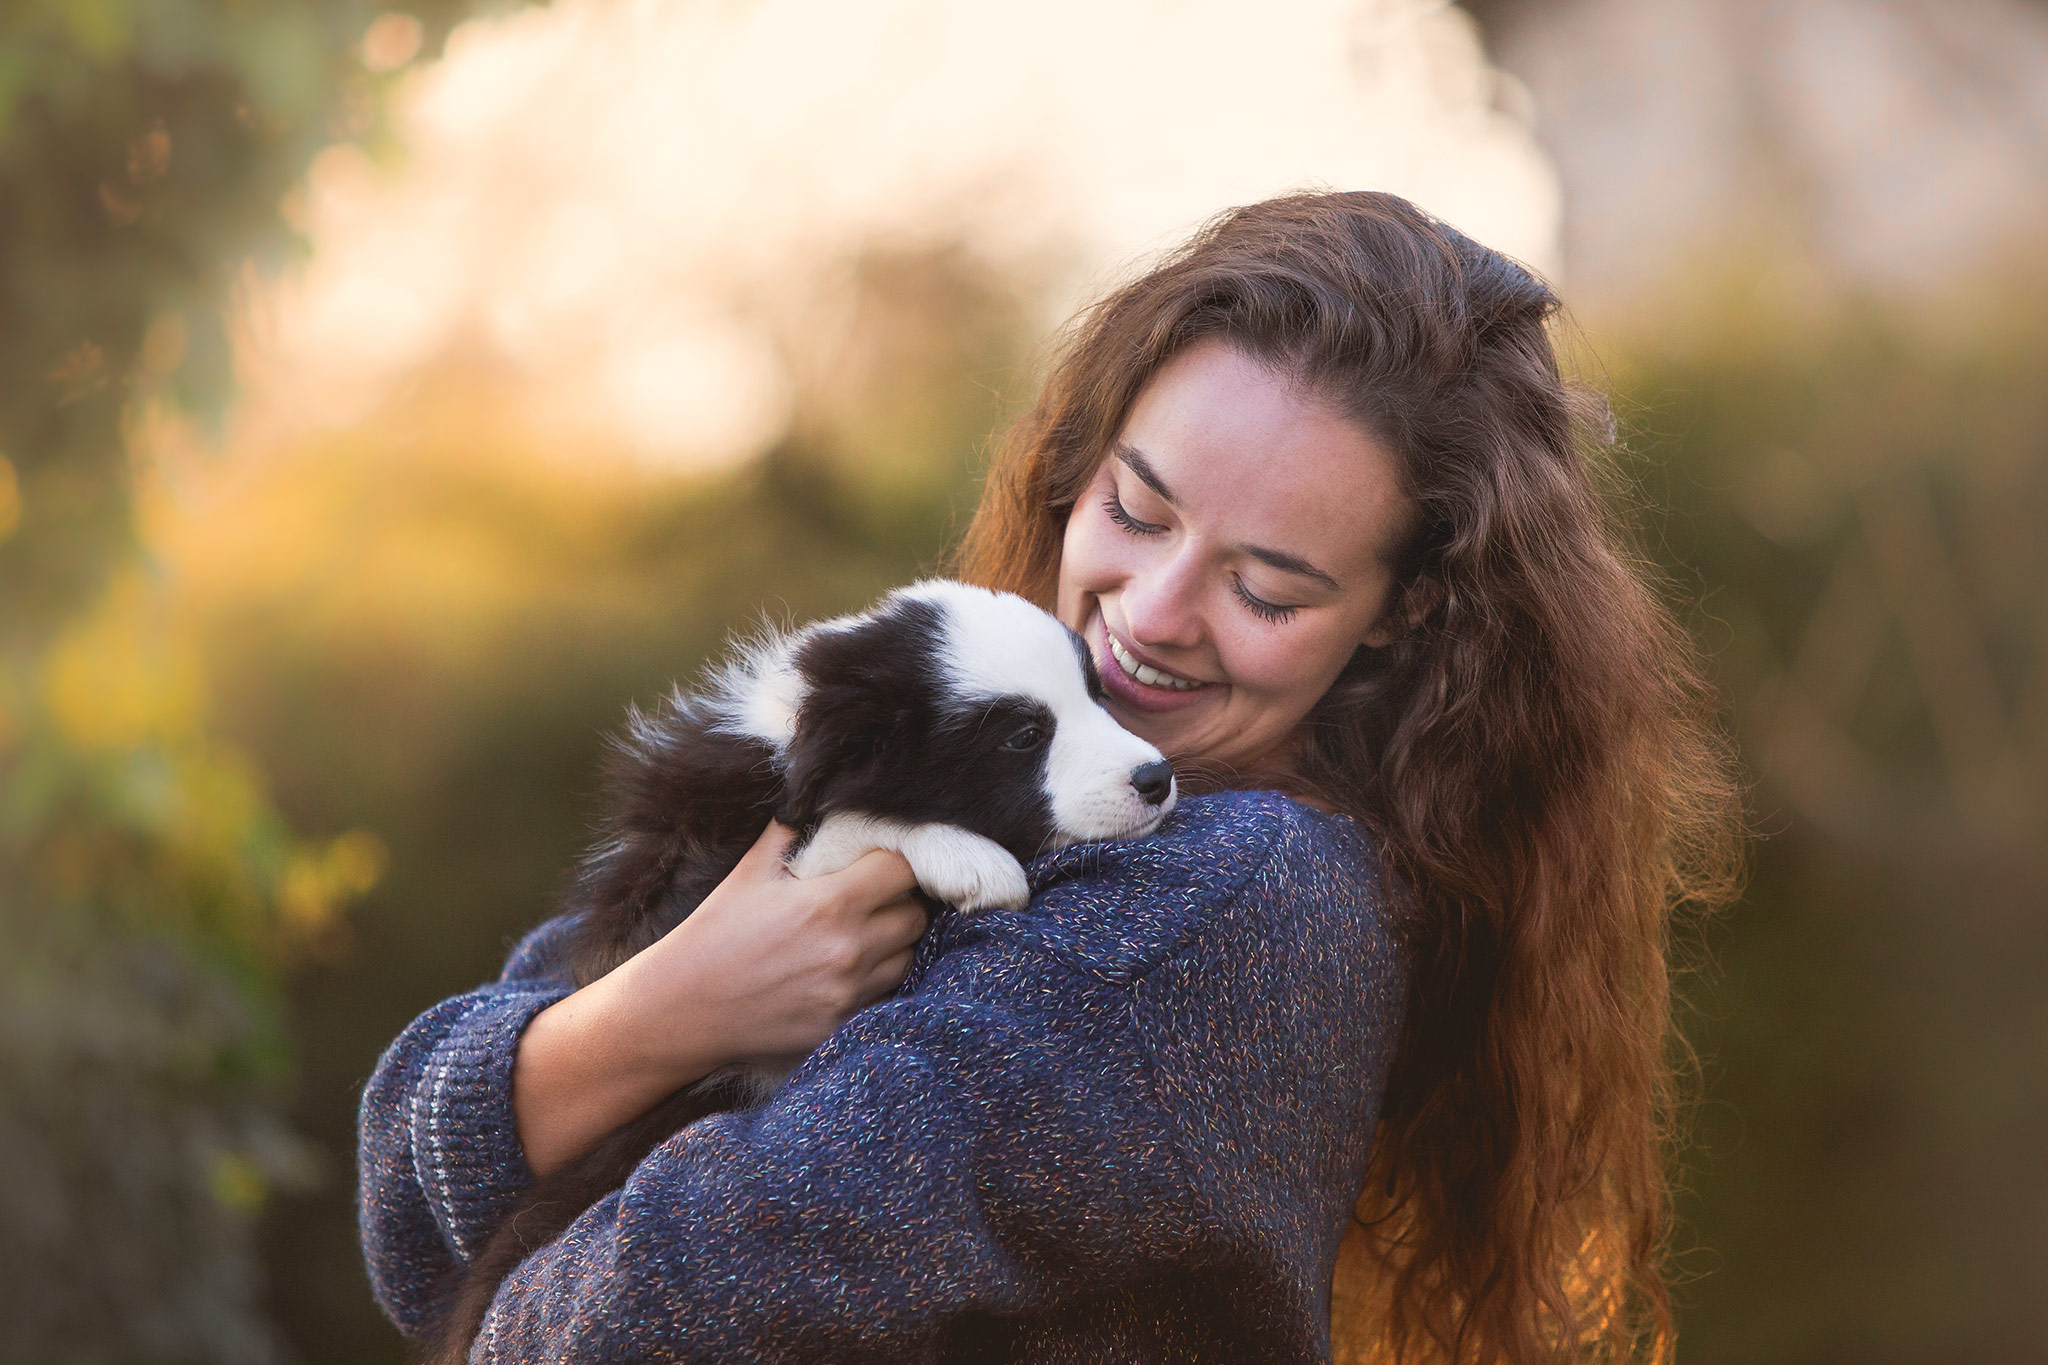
column 1315, row 495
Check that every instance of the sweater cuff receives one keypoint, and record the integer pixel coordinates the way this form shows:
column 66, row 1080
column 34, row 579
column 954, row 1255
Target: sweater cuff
column 465, row 1144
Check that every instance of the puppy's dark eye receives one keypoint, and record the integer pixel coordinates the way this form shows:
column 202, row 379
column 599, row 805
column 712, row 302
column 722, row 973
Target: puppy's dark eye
column 1025, row 740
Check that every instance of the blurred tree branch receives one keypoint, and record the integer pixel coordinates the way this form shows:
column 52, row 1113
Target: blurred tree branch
column 147, row 886
column 146, row 147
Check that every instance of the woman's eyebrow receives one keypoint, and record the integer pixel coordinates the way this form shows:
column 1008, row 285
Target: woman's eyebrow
column 1134, row 460
column 1288, row 563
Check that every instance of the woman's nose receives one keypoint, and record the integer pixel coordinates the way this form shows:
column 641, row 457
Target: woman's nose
column 1159, row 606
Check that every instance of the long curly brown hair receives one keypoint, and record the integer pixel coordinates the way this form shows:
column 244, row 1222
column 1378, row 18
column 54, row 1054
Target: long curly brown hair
column 1535, row 752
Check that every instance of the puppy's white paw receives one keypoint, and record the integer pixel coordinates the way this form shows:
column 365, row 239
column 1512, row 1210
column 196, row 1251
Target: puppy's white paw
column 965, row 870
column 953, row 865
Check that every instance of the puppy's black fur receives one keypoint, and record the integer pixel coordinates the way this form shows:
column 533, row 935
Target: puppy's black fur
column 878, row 731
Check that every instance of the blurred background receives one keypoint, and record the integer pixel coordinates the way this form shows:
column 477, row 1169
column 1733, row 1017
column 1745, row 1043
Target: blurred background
column 388, row 395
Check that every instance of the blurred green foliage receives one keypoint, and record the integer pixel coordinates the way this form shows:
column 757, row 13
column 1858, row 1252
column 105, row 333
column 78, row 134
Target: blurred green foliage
column 1859, row 513
column 146, row 151
column 149, row 893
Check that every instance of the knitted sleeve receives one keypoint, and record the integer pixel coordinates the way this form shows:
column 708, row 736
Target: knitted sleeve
column 438, row 1154
column 1156, row 1070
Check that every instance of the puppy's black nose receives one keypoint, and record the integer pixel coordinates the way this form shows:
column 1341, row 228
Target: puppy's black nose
column 1154, row 781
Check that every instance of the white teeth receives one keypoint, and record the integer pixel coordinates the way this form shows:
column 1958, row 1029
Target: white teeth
column 1145, row 673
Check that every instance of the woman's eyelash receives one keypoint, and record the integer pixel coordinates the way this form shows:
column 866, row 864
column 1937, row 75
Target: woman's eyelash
column 1115, row 507
column 1259, row 607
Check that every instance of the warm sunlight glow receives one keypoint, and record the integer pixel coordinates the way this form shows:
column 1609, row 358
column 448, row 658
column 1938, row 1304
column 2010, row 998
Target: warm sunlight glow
column 643, row 206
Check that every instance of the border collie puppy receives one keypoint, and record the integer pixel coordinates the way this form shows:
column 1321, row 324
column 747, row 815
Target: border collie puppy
column 962, row 728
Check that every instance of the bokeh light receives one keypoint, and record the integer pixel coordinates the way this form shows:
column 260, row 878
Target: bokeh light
column 643, row 207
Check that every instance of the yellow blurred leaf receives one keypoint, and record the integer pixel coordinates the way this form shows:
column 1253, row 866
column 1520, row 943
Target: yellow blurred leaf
column 10, row 498
column 220, row 797
column 316, row 886
column 120, row 676
column 237, row 1183
column 358, row 860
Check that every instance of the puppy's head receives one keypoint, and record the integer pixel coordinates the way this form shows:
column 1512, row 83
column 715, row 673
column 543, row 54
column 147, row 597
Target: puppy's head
column 956, row 705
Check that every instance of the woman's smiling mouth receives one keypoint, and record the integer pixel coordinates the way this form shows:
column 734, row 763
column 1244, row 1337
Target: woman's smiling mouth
column 1137, row 685
column 1145, row 673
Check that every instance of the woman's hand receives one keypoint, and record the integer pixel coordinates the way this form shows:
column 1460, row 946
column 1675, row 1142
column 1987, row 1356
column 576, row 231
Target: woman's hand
column 763, row 970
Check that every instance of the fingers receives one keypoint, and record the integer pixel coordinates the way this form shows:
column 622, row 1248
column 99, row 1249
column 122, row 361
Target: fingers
column 891, row 932
column 885, row 976
column 765, row 857
column 875, row 878
column 897, row 926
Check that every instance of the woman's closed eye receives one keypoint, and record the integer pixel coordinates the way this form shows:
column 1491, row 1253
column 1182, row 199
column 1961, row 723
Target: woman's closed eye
column 1259, row 606
column 1114, row 506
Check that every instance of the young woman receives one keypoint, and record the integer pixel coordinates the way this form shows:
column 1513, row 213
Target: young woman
column 1314, row 493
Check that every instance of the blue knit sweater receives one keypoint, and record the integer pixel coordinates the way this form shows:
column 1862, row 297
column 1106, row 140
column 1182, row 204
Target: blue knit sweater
column 1126, row 1123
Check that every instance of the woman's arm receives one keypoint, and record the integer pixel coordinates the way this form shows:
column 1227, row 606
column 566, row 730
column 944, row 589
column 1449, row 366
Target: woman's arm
column 438, row 1161
column 763, row 970
column 940, row 1156
column 768, row 967
column 1153, row 1089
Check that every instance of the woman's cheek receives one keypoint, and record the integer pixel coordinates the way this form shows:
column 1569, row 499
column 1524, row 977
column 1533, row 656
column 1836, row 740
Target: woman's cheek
column 1256, row 661
column 1278, row 672
column 1081, row 575
column 1089, row 554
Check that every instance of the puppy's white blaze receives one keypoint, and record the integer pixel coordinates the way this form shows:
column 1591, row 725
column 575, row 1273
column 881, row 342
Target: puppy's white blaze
column 954, row 865
column 997, row 645
column 762, row 690
column 1000, row 645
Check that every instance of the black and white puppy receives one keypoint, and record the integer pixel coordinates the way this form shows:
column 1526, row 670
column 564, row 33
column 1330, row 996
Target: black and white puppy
column 962, row 728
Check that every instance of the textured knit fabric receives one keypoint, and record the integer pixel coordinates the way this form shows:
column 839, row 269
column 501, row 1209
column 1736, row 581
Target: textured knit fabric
column 1126, row 1123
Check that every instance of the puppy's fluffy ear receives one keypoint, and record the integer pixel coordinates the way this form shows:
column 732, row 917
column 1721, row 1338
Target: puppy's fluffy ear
column 864, row 692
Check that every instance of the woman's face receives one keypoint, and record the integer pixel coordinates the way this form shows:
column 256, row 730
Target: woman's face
column 1229, row 557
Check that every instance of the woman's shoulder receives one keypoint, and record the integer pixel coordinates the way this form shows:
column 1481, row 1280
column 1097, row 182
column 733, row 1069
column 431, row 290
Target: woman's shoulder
column 1225, row 864
column 1213, row 848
